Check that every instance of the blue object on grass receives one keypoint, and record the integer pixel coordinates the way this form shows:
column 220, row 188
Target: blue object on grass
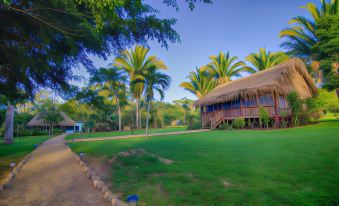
column 132, row 198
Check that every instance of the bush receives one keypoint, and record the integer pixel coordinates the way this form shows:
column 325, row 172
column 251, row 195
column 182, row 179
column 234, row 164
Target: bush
column 2, row 130
column 37, row 132
column 249, row 123
column 239, row 123
column 56, row 131
column 194, row 121
column 295, row 104
column 226, row 126
column 194, row 124
column 335, row 111
column 264, row 117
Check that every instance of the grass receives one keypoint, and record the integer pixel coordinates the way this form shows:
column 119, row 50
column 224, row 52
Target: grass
column 16, row 151
column 297, row 166
column 122, row 133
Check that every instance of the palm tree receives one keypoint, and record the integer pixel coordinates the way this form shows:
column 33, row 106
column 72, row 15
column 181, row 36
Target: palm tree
column 266, row 59
column 201, row 82
column 155, row 81
column 112, row 80
column 136, row 62
column 224, row 67
column 301, row 38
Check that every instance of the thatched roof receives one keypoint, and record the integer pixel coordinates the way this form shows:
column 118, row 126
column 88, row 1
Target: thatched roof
column 37, row 121
column 291, row 75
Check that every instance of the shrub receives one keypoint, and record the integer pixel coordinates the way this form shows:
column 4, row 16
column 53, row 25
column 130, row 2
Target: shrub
column 295, row 103
column 43, row 132
column 264, row 117
column 239, row 123
column 249, row 123
column 89, row 125
column 335, row 111
column 56, row 131
column 222, row 126
column 37, row 132
column 194, row 125
column 2, row 130
column 229, row 126
column 194, row 121
column 226, row 126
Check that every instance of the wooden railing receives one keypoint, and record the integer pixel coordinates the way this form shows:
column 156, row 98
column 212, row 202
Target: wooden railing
column 250, row 111
column 247, row 112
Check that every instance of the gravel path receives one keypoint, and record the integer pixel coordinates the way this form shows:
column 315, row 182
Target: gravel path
column 52, row 176
column 136, row 135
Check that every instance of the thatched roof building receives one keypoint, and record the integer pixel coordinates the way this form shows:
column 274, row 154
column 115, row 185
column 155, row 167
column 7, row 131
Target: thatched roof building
column 267, row 89
column 291, row 75
column 37, row 121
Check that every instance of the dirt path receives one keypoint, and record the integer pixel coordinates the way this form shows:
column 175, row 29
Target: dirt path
column 52, row 176
column 135, row 136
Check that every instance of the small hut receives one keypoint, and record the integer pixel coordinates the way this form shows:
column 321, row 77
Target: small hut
column 67, row 124
column 268, row 88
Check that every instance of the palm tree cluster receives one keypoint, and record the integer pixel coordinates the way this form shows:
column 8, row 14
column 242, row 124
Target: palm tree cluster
column 301, row 38
column 136, row 73
column 300, row 41
column 224, row 67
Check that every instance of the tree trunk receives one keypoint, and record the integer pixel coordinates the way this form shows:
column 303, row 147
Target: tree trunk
column 185, row 116
column 132, row 124
column 119, row 114
column 119, row 109
column 147, row 117
column 9, row 122
column 52, row 130
column 140, row 123
column 137, row 113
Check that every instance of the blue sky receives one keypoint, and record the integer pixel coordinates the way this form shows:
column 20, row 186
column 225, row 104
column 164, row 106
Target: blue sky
column 238, row 26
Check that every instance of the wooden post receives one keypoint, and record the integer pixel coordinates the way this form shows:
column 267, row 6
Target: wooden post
column 275, row 103
column 241, row 106
column 201, row 116
column 258, row 103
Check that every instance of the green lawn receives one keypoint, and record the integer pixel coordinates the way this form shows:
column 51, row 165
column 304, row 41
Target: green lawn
column 15, row 152
column 298, row 166
column 117, row 133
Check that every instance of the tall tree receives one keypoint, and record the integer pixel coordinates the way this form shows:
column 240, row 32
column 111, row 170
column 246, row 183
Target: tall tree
column 42, row 40
column 302, row 36
column 136, row 63
column 224, row 66
column 326, row 51
column 185, row 104
column 113, row 80
column 200, row 82
column 50, row 113
column 89, row 99
column 155, row 81
column 265, row 59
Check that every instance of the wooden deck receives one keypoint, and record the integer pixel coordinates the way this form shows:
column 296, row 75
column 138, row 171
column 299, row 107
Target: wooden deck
column 213, row 119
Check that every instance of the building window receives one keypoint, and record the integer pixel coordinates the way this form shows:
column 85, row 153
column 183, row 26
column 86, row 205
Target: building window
column 236, row 104
column 250, row 102
column 266, row 100
column 282, row 102
column 226, row 105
